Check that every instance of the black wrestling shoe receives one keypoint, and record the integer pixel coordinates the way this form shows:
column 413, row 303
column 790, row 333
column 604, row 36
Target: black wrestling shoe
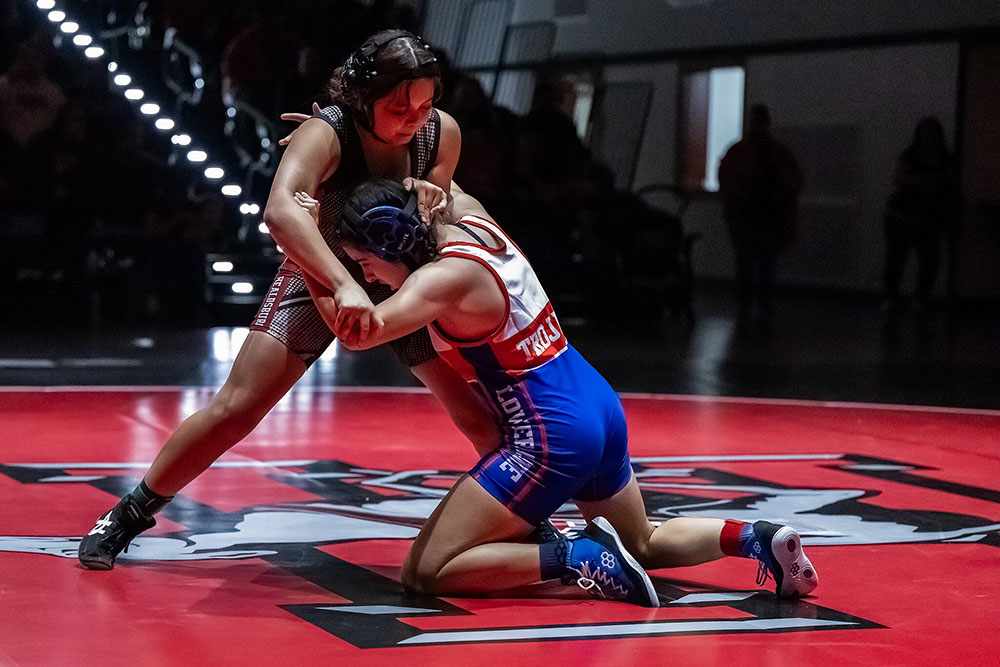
column 112, row 533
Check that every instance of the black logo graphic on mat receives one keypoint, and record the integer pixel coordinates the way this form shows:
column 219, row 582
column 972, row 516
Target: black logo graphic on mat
column 368, row 504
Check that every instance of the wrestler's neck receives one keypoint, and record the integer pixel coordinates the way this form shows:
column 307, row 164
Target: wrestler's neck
column 375, row 140
column 384, row 160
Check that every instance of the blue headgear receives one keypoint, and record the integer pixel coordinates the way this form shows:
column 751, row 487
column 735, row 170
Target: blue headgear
column 390, row 233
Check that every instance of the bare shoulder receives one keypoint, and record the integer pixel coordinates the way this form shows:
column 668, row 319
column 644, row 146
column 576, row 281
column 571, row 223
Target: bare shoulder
column 448, row 123
column 451, row 134
column 314, row 130
column 464, row 204
column 315, row 146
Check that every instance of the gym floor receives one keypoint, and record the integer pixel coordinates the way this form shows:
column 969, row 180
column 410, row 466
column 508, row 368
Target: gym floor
column 879, row 446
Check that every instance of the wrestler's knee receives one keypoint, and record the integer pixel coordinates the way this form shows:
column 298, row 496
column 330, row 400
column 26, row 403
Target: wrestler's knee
column 640, row 551
column 419, row 579
column 408, row 577
column 235, row 409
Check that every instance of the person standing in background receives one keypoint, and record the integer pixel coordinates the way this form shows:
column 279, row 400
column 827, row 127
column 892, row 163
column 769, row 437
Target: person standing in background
column 924, row 204
column 760, row 183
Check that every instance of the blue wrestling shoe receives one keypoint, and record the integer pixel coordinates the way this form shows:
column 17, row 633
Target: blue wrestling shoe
column 779, row 550
column 598, row 562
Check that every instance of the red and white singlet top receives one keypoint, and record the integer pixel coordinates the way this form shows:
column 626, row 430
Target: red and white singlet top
column 527, row 338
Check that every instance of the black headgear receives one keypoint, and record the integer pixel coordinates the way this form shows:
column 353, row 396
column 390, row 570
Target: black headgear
column 390, row 233
column 360, row 69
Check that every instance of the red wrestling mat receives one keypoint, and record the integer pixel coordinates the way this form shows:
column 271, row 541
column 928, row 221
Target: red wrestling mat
column 288, row 551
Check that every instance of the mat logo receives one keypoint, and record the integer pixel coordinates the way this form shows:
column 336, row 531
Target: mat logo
column 362, row 504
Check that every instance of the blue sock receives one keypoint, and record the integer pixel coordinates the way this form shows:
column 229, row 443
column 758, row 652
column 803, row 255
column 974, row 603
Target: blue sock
column 746, row 540
column 552, row 559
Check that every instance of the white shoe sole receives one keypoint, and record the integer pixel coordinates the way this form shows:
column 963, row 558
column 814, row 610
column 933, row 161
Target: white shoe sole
column 800, row 576
column 605, row 525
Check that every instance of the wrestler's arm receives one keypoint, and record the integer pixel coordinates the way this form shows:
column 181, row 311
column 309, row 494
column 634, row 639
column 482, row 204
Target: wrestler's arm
column 449, row 149
column 312, row 155
column 460, row 204
column 440, row 173
column 427, row 294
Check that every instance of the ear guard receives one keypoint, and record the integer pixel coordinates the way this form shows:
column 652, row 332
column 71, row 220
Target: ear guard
column 391, row 233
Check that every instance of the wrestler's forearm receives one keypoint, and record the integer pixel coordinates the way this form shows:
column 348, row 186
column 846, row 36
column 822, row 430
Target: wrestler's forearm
column 300, row 239
column 323, row 298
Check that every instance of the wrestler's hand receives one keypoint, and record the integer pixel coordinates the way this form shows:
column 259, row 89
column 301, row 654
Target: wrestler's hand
column 308, row 203
column 297, row 118
column 356, row 318
column 431, row 200
column 350, row 341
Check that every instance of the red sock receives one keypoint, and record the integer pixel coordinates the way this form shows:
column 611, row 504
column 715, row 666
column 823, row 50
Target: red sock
column 729, row 538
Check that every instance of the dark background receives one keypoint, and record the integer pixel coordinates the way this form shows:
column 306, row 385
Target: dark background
column 108, row 233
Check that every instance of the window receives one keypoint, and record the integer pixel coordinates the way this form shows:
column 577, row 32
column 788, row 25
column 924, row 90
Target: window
column 583, row 105
column 711, row 120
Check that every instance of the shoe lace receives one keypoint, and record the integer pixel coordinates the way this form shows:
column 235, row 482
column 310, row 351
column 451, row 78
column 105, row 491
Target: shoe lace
column 122, row 527
column 585, row 579
column 597, row 582
column 763, row 574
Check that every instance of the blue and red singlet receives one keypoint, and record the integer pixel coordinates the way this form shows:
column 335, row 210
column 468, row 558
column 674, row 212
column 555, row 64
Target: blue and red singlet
column 563, row 428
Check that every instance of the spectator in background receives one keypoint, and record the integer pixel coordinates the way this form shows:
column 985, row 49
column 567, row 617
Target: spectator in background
column 925, row 203
column 329, row 30
column 392, row 15
column 29, row 101
column 130, row 191
column 480, row 170
column 259, row 63
column 552, row 150
column 133, row 177
column 201, row 25
column 177, row 233
column 568, row 194
column 760, row 182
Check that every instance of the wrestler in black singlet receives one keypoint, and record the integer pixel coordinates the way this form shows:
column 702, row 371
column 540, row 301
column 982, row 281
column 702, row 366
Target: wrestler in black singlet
column 288, row 312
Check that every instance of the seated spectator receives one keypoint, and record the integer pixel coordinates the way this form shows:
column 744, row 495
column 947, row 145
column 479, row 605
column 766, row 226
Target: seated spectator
column 29, row 100
column 574, row 192
column 480, row 168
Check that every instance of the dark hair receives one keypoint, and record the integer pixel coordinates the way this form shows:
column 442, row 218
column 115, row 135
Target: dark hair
column 384, row 60
column 398, row 237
